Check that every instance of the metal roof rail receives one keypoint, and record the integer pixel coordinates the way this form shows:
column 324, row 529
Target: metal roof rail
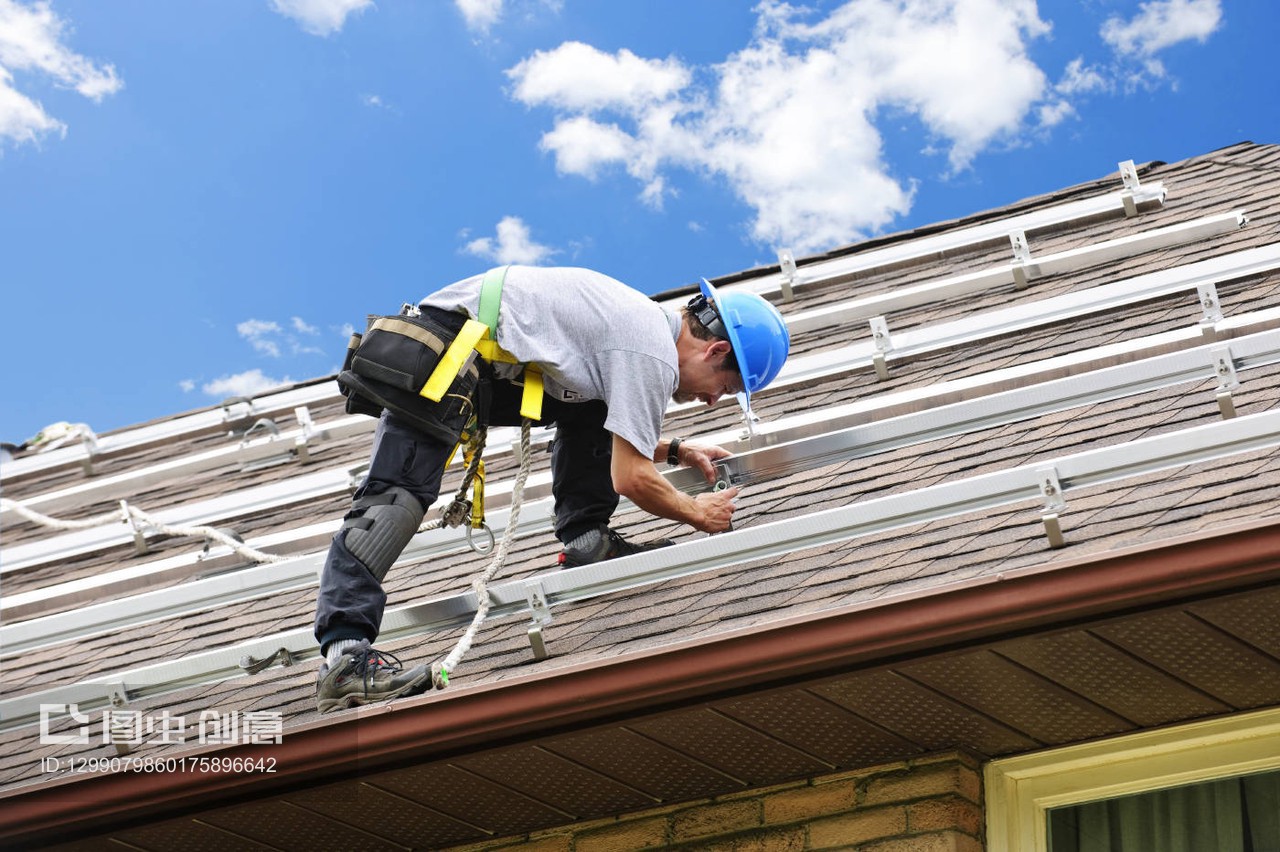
column 1201, row 276
column 296, row 444
column 810, row 440
column 237, row 408
column 1046, row 483
column 1023, row 269
column 86, row 590
column 789, row 277
column 230, row 413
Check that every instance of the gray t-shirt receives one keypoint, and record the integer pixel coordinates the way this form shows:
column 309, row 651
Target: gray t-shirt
column 594, row 338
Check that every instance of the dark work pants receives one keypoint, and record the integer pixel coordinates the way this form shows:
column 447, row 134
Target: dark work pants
column 351, row 601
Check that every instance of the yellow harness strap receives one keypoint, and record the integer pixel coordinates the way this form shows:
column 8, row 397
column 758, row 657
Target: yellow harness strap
column 480, row 337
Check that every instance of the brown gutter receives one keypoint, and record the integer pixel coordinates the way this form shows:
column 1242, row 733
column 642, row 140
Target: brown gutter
column 424, row 728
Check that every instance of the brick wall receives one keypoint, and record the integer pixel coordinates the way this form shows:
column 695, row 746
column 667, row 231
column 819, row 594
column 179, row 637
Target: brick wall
column 926, row 805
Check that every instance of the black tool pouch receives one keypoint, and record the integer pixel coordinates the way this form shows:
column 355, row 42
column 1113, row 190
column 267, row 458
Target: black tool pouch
column 387, row 366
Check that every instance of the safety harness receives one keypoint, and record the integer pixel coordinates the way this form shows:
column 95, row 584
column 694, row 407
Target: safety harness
column 481, row 336
column 403, row 364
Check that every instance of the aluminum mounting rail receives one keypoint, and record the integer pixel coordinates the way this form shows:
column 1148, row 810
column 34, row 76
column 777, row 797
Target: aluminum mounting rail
column 801, row 442
column 1134, row 196
column 1201, row 276
column 1047, row 483
column 232, row 411
column 1019, row 272
column 294, row 445
column 84, row 592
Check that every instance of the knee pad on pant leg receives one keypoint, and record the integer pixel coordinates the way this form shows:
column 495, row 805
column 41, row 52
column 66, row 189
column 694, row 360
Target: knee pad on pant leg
column 385, row 524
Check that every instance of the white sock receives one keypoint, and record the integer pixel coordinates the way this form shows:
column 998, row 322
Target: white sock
column 338, row 647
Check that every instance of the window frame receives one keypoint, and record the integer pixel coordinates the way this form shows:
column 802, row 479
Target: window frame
column 1021, row 790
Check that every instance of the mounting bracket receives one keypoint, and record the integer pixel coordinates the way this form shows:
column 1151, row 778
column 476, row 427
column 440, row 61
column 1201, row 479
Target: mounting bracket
column 1225, row 368
column 540, row 610
column 884, row 345
column 1021, row 257
column 787, row 265
column 1129, row 174
column 1054, row 503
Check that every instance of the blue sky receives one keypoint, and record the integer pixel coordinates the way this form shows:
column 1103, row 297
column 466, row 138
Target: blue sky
column 199, row 198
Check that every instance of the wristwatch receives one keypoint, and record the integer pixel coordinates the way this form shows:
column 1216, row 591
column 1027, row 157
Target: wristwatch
column 673, row 452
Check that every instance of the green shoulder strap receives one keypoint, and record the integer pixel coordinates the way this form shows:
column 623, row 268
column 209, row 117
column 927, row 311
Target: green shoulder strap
column 491, row 298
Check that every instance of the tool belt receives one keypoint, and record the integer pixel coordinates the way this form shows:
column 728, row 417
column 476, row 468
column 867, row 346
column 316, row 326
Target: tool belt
column 431, row 376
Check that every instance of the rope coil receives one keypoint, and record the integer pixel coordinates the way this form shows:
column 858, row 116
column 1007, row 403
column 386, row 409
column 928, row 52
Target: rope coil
column 133, row 515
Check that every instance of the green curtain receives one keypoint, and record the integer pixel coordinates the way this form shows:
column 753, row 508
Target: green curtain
column 1239, row 814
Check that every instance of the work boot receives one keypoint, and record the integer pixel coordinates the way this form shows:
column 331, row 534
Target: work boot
column 600, row 543
column 363, row 675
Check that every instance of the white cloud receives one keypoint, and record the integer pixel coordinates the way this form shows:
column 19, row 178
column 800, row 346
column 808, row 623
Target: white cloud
column 187, row 385
column 576, row 76
column 320, row 17
column 512, row 244
column 261, row 335
column 1162, row 23
column 248, row 383
column 271, row 339
column 31, row 42
column 480, row 15
column 1078, row 79
column 789, row 121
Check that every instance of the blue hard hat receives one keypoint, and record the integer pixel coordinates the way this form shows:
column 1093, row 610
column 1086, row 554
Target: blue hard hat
column 755, row 330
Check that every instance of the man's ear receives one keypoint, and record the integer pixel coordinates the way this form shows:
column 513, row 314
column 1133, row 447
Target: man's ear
column 719, row 348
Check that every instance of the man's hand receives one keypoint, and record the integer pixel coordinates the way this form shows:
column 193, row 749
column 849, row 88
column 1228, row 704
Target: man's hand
column 636, row 478
column 717, row 510
column 702, row 457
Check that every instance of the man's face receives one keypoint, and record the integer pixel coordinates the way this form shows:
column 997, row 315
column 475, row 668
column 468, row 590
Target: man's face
column 702, row 379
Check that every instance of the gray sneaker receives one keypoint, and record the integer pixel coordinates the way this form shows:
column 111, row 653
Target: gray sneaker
column 600, row 543
column 364, row 675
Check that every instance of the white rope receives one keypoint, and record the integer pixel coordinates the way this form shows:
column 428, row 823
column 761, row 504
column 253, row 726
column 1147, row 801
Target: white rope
column 440, row 671
column 129, row 514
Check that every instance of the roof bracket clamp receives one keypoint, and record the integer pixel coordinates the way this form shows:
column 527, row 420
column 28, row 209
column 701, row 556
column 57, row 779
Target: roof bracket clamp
column 1021, row 257
column 787, row 265
column 883, row 344
column 1207, row 293
column 118, row 698
column 139, row 531
column 1129, row 174
column 1054, row 503
column 301, row 449
column 1224, row 368
column 540, row 610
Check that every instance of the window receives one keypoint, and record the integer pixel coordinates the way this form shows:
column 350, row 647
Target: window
column 1219, row 775
column 1239, row 814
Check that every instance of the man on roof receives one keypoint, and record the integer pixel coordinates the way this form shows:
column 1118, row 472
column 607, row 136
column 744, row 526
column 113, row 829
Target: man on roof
column 610, row 359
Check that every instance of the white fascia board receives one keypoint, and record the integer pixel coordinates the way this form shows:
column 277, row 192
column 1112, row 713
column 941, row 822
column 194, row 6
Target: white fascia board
column 923, row 247
column 796, row 443
column 1090, row 468
column 977, row 282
